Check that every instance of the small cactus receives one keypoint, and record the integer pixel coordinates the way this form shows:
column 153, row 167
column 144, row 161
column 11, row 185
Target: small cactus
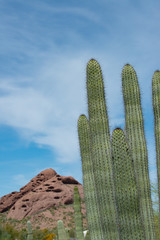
column 78, row 214
column 61, row 230
column 29, row 229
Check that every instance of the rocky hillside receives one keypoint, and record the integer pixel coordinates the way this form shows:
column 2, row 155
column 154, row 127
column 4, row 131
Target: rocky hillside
column 47, row 198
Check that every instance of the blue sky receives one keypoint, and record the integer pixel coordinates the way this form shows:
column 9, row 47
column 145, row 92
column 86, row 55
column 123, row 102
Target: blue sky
column 44, row 49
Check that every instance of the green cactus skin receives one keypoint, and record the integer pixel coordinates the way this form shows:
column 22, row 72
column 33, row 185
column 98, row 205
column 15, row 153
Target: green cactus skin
column 61, row 230
column 92, row 207
column 135, row 134
column 78, row 215
column 101, row 151
column 156, row 110
column 127, row 197
column 29, row 229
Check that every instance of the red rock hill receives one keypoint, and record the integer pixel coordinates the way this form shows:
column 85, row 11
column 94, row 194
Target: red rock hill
column 46, row 190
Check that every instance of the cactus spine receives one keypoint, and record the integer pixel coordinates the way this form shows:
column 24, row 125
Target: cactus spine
column 156, row 110
column 127, row 197
column 29, row 229
column 135, row 133
column 92, row 207
column 78, row 215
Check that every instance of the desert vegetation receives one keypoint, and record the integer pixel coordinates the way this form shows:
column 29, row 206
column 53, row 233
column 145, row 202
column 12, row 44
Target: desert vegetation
column 12, row 229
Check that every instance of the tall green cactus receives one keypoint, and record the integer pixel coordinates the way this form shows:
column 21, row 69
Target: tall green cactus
column 156, row 110
column 29, row 229
column 97, row 157
column 136, row 137
column 101, row 151
column 78, row 215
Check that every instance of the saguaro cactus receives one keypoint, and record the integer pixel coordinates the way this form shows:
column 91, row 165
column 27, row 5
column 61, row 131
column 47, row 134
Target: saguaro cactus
column 105, row 163
column 101, row 152
column 136, row 137
column 61, row 230
column 29, row 229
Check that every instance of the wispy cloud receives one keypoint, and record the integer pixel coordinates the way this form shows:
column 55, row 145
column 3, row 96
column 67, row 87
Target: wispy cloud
column 46, row 111
column 75, row 11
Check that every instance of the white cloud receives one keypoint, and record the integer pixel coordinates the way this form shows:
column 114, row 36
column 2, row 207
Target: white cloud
column 24, row 108
column 47, row 110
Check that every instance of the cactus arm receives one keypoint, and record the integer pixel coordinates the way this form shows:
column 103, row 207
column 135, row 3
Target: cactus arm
column 101, row 150
column 91, row 203
column 127, row 197
column 156, row 110
column 135, row 134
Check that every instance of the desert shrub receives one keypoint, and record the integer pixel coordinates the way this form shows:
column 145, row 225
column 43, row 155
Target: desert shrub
column 49, row 236
column 45, row 230
column 38, row 234
column 11, row 231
